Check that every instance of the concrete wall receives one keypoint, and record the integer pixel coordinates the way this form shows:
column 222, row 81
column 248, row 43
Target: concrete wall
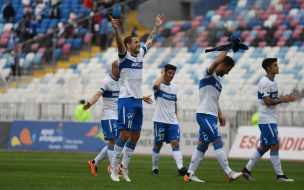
column 172, row 9
column 175, row 9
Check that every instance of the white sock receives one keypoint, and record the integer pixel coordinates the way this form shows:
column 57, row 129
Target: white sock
column 102, row 154
column 127, row 157
column 276, row 163
column 256, row 157
column 116, row 155
column 155, row 159
column 177, row 155
column 196, row 158
column 222, row 159
column 110, row 154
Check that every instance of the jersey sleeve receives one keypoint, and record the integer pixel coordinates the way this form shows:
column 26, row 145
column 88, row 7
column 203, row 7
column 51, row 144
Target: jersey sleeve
column 264, row 89
column 206, row 73
column 103, row 85
column 143, row 50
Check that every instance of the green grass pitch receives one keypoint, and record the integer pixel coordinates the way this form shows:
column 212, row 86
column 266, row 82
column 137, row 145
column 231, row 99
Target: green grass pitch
column 54, row 170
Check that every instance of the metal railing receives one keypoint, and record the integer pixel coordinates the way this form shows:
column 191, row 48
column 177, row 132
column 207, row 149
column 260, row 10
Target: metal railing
column 10, row 111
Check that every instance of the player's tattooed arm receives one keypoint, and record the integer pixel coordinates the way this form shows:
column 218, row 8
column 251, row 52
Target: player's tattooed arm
column 283, row 99
column 119, row 41
column 160, row 19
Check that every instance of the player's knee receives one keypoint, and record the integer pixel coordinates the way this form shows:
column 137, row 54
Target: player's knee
column 218, row 144
column 124, row 135
column 174, row 144
column 156, row 149
column 262, row 150
column 202, row 147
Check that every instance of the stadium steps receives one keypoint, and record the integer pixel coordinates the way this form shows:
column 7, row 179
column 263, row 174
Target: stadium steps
column 22, row 81
column 65, row 64
column 132, row 21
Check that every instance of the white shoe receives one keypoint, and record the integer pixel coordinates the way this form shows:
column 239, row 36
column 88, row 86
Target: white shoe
column 284, row 178
column 193, row 178
column 234, row 175
column 114, row 175
column 124, row 172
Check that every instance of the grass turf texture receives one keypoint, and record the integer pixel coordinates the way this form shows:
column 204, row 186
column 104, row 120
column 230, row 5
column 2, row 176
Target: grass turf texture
column 54, row 170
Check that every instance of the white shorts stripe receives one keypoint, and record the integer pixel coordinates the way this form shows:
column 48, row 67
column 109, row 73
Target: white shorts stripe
column 209, row 126
column 124, row 114
column 272, row 133
column 110, row 125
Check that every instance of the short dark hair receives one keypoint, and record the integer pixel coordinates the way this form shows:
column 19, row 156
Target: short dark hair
column 82, row 101
column 268, row 62
column 128, row 40
column 229, row 61
column 169, row 66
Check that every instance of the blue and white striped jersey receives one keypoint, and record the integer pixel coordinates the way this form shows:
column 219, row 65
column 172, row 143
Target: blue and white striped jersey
column 267, row 87
column 209, row 93
column 131, row 74
column 165, row 99
column 110, row 92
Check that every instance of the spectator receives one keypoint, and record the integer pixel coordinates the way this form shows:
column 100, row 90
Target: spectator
column 54, row 6
column 8, row 12
column 88, row 4
column 32, row 30
column 134, row 31
column 103, row 34
column 39, row 9
column 80, row 114
column 27, row 8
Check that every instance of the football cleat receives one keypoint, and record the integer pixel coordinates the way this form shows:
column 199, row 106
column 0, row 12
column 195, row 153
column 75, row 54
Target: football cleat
column 124, row 173
column 233, row 176
column 284, row 178
column 247, row 174
column 114, row 175
column 155, row 172
column 192, row 178
column 93, row 168
column 182, row 171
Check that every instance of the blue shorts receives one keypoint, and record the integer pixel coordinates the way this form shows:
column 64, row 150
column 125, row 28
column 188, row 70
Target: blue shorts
column 164, row 132
column 130, row 114
column 269, row 134
column 208, row 127
column 109, row 129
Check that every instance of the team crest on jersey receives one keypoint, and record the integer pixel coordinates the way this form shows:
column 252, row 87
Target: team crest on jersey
column 137, row 64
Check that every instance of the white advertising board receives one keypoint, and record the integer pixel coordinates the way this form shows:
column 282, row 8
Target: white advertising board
column 247, row 141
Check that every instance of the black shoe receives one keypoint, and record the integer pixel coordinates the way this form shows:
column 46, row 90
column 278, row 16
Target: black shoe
column 284, row 178
column 155, row 172
column 182, row 171
column 247, row 174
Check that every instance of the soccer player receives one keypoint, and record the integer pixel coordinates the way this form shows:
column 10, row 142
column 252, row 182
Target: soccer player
column 208, row 114
column 166, row 127
column 268, row 99
column 109, row 90
column 130, row 110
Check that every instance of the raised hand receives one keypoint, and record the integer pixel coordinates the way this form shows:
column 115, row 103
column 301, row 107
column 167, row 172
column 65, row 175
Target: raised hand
column 160, row 19
column 114, row 22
